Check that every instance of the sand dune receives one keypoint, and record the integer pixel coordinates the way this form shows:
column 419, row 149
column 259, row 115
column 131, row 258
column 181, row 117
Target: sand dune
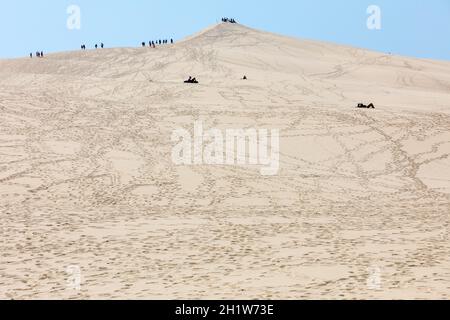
column 87, row 180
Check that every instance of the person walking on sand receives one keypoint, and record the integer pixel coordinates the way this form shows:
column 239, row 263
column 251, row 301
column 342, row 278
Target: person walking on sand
column 31, row 55
column 102, row 45
column 96, row 46
column 42, row 54
column 171, row 41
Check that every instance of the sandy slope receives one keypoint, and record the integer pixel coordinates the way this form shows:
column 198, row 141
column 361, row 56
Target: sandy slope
column 86, row 176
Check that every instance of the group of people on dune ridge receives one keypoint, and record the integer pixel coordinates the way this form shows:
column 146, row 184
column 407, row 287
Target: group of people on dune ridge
column 39, row 54
column 153, row 44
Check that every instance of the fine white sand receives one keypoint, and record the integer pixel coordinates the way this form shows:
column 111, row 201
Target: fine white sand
column 87, row 180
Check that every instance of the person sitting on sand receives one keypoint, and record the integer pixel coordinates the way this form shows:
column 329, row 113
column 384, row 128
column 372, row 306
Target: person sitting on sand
column 363, row 106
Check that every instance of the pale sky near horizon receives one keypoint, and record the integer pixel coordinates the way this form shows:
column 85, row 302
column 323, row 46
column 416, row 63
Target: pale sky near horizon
column 415, row 28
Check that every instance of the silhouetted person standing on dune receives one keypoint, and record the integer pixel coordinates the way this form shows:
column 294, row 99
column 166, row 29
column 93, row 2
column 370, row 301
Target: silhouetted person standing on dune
column 31, row 55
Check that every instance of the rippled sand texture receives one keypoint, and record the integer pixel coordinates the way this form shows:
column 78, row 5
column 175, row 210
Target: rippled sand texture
column 360, row 208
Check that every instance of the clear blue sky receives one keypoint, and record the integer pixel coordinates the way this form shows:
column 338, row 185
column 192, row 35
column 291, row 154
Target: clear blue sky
column 417, row 28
